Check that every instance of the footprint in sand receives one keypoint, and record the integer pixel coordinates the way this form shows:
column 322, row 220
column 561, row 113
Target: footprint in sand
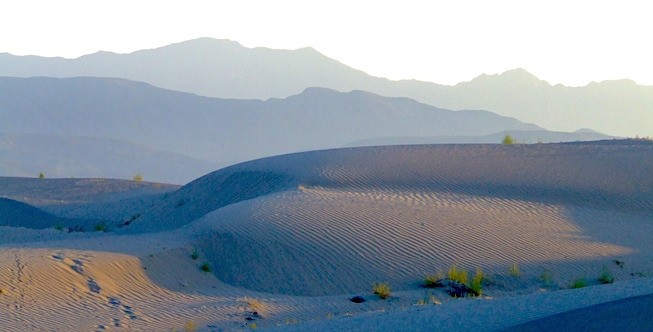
column 93, row 286
column 78, row 266
column 129, row 312
column 114, row 302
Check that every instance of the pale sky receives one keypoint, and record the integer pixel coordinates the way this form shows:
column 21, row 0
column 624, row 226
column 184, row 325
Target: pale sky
column 569, row 42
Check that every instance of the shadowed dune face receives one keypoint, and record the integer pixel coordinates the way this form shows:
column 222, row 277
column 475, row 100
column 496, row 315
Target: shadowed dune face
column 334, row 221
column 49, row 192
column 18, row 214
column 218, row 189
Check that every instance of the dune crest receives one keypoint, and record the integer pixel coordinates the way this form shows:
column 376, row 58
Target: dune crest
column 335, row 221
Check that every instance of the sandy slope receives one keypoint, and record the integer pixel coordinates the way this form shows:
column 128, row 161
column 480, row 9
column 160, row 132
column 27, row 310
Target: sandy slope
column 335, row 221
column 84, row 201
column 302, row 233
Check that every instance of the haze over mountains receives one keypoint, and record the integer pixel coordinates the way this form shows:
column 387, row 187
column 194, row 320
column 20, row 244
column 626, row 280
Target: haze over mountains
column 130, row 121
column 225, row 69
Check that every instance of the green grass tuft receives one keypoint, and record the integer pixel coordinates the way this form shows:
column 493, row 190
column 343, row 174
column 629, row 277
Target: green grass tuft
column 381, row 289
column 101, row 227
column 205, row 267
column 458, row 275
column 433, row 280
column 514, row 271
column 579, row 283
column 606, row 276
column 546, row 277
column 507, row 140
column 476, row 284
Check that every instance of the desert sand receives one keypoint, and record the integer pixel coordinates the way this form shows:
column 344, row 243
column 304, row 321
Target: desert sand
column 288, row 240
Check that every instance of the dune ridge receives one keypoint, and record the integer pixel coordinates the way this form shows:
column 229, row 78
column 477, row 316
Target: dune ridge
column 290, row 239
column 334, row 221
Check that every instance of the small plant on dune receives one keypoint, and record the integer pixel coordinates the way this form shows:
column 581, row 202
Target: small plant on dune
column 507, row 140
column 457, row 275
column 138, row 177
column 58, row 227
column 433, row 280
column 459, row 284
column 514, row 271
column 382, row 290
column 606, row 276
column 41, row 175
column 205, row 267
column 579, row 283
column 476, row 284
column 546, row 277
column 190, row 327
column 195, row 255
column 100, row 227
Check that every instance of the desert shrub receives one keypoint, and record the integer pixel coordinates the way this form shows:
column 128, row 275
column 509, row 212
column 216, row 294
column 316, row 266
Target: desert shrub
column 100, row 227
column 382, row 290
column 507, row 140
column 476, row 284
column 546, row 277
column 433, row 280
column 195, row 255
column 205, row 267
column 606, row 276
column 138, row 177
column 514, row 271
column 190, row 327
column 579, row 283
column 457, row 275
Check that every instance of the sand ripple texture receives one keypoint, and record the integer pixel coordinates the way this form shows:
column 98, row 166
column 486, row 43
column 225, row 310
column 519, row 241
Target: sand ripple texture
column 334, row 221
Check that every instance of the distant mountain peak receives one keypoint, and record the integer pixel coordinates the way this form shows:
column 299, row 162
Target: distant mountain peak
column 587, row 130
column 517, row 76
column 209, row 41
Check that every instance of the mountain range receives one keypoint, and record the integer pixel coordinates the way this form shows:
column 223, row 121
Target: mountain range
column 129, row 127
column 226, row 69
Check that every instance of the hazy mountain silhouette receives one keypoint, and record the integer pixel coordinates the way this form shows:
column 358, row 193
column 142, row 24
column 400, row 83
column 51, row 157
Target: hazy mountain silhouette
column 222, row 68
column 218, row 131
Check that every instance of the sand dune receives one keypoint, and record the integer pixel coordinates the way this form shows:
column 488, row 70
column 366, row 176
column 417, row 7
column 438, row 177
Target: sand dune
column 302, row 233
column 19, row 214
column 341, row 219
column 82, row 201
